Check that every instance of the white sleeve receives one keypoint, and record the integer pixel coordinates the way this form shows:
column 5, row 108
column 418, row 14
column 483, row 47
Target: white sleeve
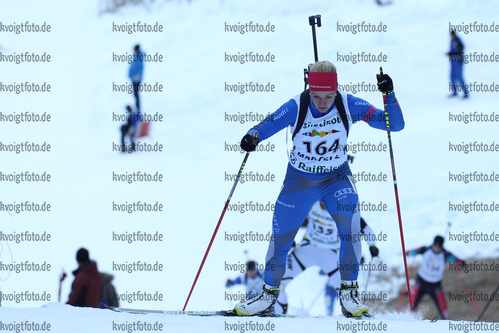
column 369, row 235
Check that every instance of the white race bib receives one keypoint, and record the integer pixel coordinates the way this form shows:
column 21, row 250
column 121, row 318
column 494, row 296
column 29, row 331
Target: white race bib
column 432, row 268
column 321, row 229
column 320, row 145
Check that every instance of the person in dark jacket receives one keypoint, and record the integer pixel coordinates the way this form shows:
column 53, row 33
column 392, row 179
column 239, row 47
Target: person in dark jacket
column 108, row 296
column 129, row 129
column 135, row 72
column 456, row 58
column 431, row 273
column 86, row 287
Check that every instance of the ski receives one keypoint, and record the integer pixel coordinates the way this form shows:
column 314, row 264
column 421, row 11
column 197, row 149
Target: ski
column 222, row 313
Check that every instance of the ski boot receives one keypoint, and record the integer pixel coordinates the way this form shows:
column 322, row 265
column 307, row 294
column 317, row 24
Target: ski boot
column 351, row 306
column 262, row 304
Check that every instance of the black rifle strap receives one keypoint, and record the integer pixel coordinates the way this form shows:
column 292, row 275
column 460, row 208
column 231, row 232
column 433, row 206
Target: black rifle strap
column 304, row 100
column 338, row 101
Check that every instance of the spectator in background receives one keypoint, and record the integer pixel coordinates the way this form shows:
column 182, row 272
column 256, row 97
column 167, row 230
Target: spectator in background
column 129, row 129
column 456, row 58
column 135, row 72
column 108, row 296
column 86, row 287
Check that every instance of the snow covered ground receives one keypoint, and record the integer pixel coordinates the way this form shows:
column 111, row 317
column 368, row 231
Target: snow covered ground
column 84, row 320
column 196, row 133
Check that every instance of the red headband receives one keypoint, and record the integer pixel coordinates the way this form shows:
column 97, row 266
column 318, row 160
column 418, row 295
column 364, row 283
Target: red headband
column 322, row 81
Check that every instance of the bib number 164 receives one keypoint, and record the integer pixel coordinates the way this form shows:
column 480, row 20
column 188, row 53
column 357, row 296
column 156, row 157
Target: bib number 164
column 321, row 148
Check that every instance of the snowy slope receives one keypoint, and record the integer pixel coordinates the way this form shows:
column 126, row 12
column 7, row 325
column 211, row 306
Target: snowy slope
column 63, row 318
column 194, row 134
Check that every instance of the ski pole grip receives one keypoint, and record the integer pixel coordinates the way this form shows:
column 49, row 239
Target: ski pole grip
column 384, row 93
column 314, row 19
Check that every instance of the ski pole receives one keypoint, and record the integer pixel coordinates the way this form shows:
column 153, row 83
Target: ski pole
column 248, row 294
column 315, row 299
column 401, row 300
column 475, row 306
column 488, row 303
column 218, row 224
column 230, row 298
column 367, row 282
column 404, row 292
column 61, row 278
column 396, row 191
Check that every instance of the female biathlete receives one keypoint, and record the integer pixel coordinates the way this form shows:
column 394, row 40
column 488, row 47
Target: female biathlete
column 318, row 170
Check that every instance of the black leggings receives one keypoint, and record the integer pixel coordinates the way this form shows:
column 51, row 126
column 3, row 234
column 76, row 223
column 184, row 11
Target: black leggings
column 136, row 94
column 423, row 287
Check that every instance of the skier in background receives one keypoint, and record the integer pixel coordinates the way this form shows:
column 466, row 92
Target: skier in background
column 128, row 128
column 135, row 72
column 252, row 279
column 320, row 247
column 431, row 273
column 86, row 287
column 318, row 170
column 456, row 58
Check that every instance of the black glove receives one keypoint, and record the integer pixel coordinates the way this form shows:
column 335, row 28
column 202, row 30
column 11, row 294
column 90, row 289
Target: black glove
column 385, row 84
column 374, row 250
column 249, row 142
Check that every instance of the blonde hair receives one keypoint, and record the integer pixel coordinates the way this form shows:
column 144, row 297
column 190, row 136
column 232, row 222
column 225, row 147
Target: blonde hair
column 323, row 67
